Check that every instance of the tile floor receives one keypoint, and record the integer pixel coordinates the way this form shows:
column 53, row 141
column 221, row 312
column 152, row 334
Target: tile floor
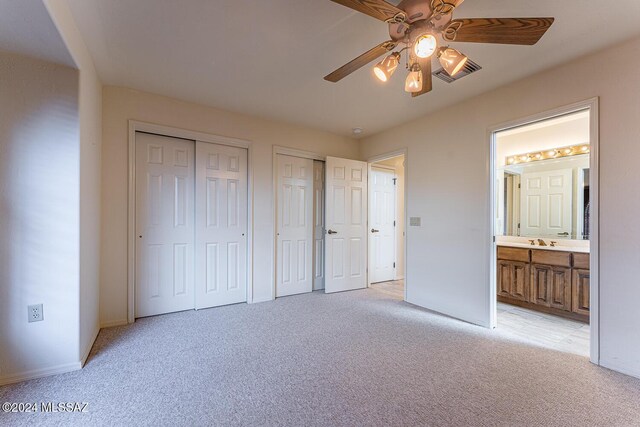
column 544, row 329
column 394, row 288
column 530, row 326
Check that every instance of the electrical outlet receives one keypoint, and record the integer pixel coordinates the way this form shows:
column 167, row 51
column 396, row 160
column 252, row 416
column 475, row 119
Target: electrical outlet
column 35, row 313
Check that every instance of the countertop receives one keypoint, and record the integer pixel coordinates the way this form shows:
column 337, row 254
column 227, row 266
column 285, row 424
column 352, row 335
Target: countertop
column 561, row 246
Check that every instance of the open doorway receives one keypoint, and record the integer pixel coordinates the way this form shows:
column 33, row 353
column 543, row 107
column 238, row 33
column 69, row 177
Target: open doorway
column 544, row 216
column 386, row 264
column 320, row 209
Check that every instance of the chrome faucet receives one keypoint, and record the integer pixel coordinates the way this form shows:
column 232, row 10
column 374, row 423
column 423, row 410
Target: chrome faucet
column 541, row 242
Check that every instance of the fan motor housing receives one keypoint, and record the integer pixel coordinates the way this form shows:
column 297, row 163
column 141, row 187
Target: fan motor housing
column 416, row 10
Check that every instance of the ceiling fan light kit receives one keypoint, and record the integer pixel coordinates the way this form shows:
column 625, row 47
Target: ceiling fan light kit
column 424, row 27
column 385, row 68
column 452, row 60
column 425, row 45
column 413, row 84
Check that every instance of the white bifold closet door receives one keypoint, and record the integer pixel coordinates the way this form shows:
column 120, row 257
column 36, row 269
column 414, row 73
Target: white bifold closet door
column 221, row 225
column 382, row 220
column 346, row 224
column 164, row 225
column 191, row 225
column 294, row 195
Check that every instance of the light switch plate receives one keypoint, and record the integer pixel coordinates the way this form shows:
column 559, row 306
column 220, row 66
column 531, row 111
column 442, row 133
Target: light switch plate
column 415, row 221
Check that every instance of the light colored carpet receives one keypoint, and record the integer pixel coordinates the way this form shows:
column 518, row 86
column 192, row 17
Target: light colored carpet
column 355, row 358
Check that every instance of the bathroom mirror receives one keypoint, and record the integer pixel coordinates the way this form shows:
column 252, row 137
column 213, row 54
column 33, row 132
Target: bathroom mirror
column 546, row 198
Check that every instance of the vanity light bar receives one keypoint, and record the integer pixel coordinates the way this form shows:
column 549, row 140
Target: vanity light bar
column 554, row 153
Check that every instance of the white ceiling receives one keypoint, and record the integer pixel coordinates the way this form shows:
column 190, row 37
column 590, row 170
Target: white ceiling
column 27, row 29
column 268, row 58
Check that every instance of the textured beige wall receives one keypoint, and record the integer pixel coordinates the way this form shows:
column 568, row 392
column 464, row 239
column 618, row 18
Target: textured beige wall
column 120, row 105
column 90, row 104
column 39, row 217
column 448, row 182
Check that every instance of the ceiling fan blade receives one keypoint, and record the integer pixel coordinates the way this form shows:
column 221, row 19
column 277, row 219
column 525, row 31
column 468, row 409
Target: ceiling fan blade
column 360, row 61
column 427, row 83
column 521, row 31
column 378, row 9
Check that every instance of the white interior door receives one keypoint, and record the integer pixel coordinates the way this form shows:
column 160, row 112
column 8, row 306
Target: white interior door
column 164, row 225
column 346, row 223
column 221, row 225
column 318, row 225
column 382, row 225
column 546, row 203
column 294, row 195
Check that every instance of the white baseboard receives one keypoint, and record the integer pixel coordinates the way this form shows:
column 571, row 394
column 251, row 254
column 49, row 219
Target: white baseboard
column 39, row 373
column 113, row 323
column 85, row 355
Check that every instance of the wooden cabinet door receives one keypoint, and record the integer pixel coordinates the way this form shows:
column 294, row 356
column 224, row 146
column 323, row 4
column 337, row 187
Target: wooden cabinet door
column 551, row 286
column 540, row 288
column 560, row 288
column 504, row 278
column 580, row 291
column 513, row 280
column 520, row 281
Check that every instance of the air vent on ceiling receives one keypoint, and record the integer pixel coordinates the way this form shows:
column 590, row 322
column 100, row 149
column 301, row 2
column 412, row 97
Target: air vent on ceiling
column 469, row 67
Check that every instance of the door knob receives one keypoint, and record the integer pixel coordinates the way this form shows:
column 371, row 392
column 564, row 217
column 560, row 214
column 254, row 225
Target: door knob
column 332, row 232
column 373, row 230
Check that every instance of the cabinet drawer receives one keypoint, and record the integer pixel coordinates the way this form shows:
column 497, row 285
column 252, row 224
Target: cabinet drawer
column 581, row 260
column 560, row 259
column 513, row 254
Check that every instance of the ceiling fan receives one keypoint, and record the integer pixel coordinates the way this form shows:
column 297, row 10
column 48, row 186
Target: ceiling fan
column 425, row 27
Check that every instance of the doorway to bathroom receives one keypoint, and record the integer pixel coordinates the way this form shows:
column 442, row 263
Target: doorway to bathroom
column 544, row 222
column 387, row 224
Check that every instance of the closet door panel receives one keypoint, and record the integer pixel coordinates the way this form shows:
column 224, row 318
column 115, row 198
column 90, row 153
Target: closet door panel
column 295, row 225
column 221, row 225
column 164, row 269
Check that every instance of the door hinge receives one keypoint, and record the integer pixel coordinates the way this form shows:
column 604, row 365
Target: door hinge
column 394, row 265
column 519, row 185
column 394, row 181
column 394, row 223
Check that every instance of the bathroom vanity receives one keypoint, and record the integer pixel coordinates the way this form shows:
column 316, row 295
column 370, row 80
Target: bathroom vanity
column 553, row 280
column 542, row 219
